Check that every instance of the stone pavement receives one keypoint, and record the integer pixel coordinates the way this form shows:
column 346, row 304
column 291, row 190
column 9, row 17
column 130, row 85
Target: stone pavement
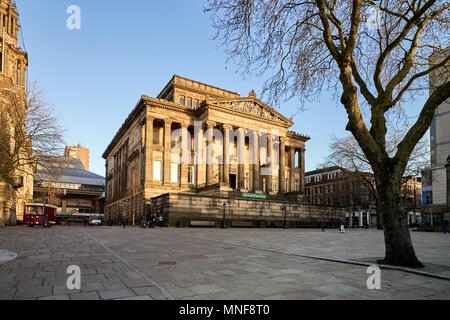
column 255, row 264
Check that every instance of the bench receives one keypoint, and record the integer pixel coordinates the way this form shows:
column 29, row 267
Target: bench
column 275, row 224
column 206, row 224
column 242, row 224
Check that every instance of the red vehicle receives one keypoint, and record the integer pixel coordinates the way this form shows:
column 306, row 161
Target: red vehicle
column 35, row 214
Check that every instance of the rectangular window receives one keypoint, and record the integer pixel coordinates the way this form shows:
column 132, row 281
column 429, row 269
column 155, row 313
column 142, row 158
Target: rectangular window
column 182, row 100
column 157, row 170
column 174, row 172
column 189, row 102
column 191, row 175
column 196, row 104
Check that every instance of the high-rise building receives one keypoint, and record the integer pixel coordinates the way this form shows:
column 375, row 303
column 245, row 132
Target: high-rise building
column 78, row 152
column 434, row 191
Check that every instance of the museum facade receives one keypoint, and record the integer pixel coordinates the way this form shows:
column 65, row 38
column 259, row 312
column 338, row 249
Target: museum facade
column 196, row 150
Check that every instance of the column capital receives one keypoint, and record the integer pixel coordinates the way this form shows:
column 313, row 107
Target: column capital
column 210, row 124
column 184, row 124
column 167, row 122
column 227, row 127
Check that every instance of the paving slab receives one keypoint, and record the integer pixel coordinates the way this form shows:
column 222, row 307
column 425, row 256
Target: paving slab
column 176, row 263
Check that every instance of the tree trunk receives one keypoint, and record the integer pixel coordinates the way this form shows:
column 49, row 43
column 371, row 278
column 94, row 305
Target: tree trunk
column 397, row 239
column 379, row 218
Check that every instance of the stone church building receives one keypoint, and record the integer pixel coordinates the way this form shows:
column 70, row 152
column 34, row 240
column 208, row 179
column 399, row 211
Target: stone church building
column 197, row 151
column 16, row 186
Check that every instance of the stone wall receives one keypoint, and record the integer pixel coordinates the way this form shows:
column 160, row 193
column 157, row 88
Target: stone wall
column 185, row 207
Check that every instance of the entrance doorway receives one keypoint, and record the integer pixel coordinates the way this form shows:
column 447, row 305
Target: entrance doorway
column 233, row 181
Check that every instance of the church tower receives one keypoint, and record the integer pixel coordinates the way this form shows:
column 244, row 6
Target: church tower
column 13, row 61
column 17, row 188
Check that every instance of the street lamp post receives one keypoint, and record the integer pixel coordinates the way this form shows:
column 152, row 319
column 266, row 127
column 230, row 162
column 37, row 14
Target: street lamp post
column 285, row 226
column 45, row 225
column 224, row 224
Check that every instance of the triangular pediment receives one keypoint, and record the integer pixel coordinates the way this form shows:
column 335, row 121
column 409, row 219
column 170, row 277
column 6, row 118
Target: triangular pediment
column 251, row 106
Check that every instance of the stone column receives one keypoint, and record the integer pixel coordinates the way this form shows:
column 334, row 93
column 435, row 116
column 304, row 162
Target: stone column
column 269, row 178
column 255, row 165
column 226, row 154
column 209, row 157
column 241, row 158
column 292, row 171
column 148, row 149
column 167, row 150
column 185, row 153
column 198, row 150
column 302, row 171
column 281, row 175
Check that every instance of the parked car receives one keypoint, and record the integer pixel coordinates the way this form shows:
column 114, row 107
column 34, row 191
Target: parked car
column 95, row 222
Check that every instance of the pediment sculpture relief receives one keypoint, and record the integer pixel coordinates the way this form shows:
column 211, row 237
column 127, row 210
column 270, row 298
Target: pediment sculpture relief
column 252, row 108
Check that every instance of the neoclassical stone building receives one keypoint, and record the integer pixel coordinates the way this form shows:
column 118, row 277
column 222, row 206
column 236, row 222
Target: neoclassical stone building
column 196, row 145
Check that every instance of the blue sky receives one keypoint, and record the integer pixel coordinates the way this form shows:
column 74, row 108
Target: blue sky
column 95, row 76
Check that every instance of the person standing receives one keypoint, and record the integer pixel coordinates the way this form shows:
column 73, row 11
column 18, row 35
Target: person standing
column 342, row 229
column 445, row 225
column 322, row 225
column 124, row 216
column 160, row 218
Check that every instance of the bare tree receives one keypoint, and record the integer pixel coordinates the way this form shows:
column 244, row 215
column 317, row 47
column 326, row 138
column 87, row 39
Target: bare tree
column 347, row 154
column 30, row 133
column 327, row 44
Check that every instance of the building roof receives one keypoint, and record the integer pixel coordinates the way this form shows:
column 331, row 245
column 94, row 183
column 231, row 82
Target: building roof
column 322, row 170
column 69, row 170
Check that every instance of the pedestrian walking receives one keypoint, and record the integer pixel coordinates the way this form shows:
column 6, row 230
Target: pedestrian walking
column 322, row 225
column 85, row 221
column 153, row 221
column 160, row 218
column 445, row 225
column 124, row 216
column 342, row 229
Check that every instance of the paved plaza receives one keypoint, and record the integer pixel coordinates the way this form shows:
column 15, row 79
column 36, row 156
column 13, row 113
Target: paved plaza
column 170, row 263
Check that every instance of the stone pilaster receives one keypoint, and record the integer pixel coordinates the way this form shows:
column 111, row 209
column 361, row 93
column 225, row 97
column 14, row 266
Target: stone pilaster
column 167, row 150
column 292, row 169
column 271, row 164
column 255, row 158
column 281, row 174
column 209, row 156
column 185, row 153
column 241, row 158
column 148, row 149
column 226, row 154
